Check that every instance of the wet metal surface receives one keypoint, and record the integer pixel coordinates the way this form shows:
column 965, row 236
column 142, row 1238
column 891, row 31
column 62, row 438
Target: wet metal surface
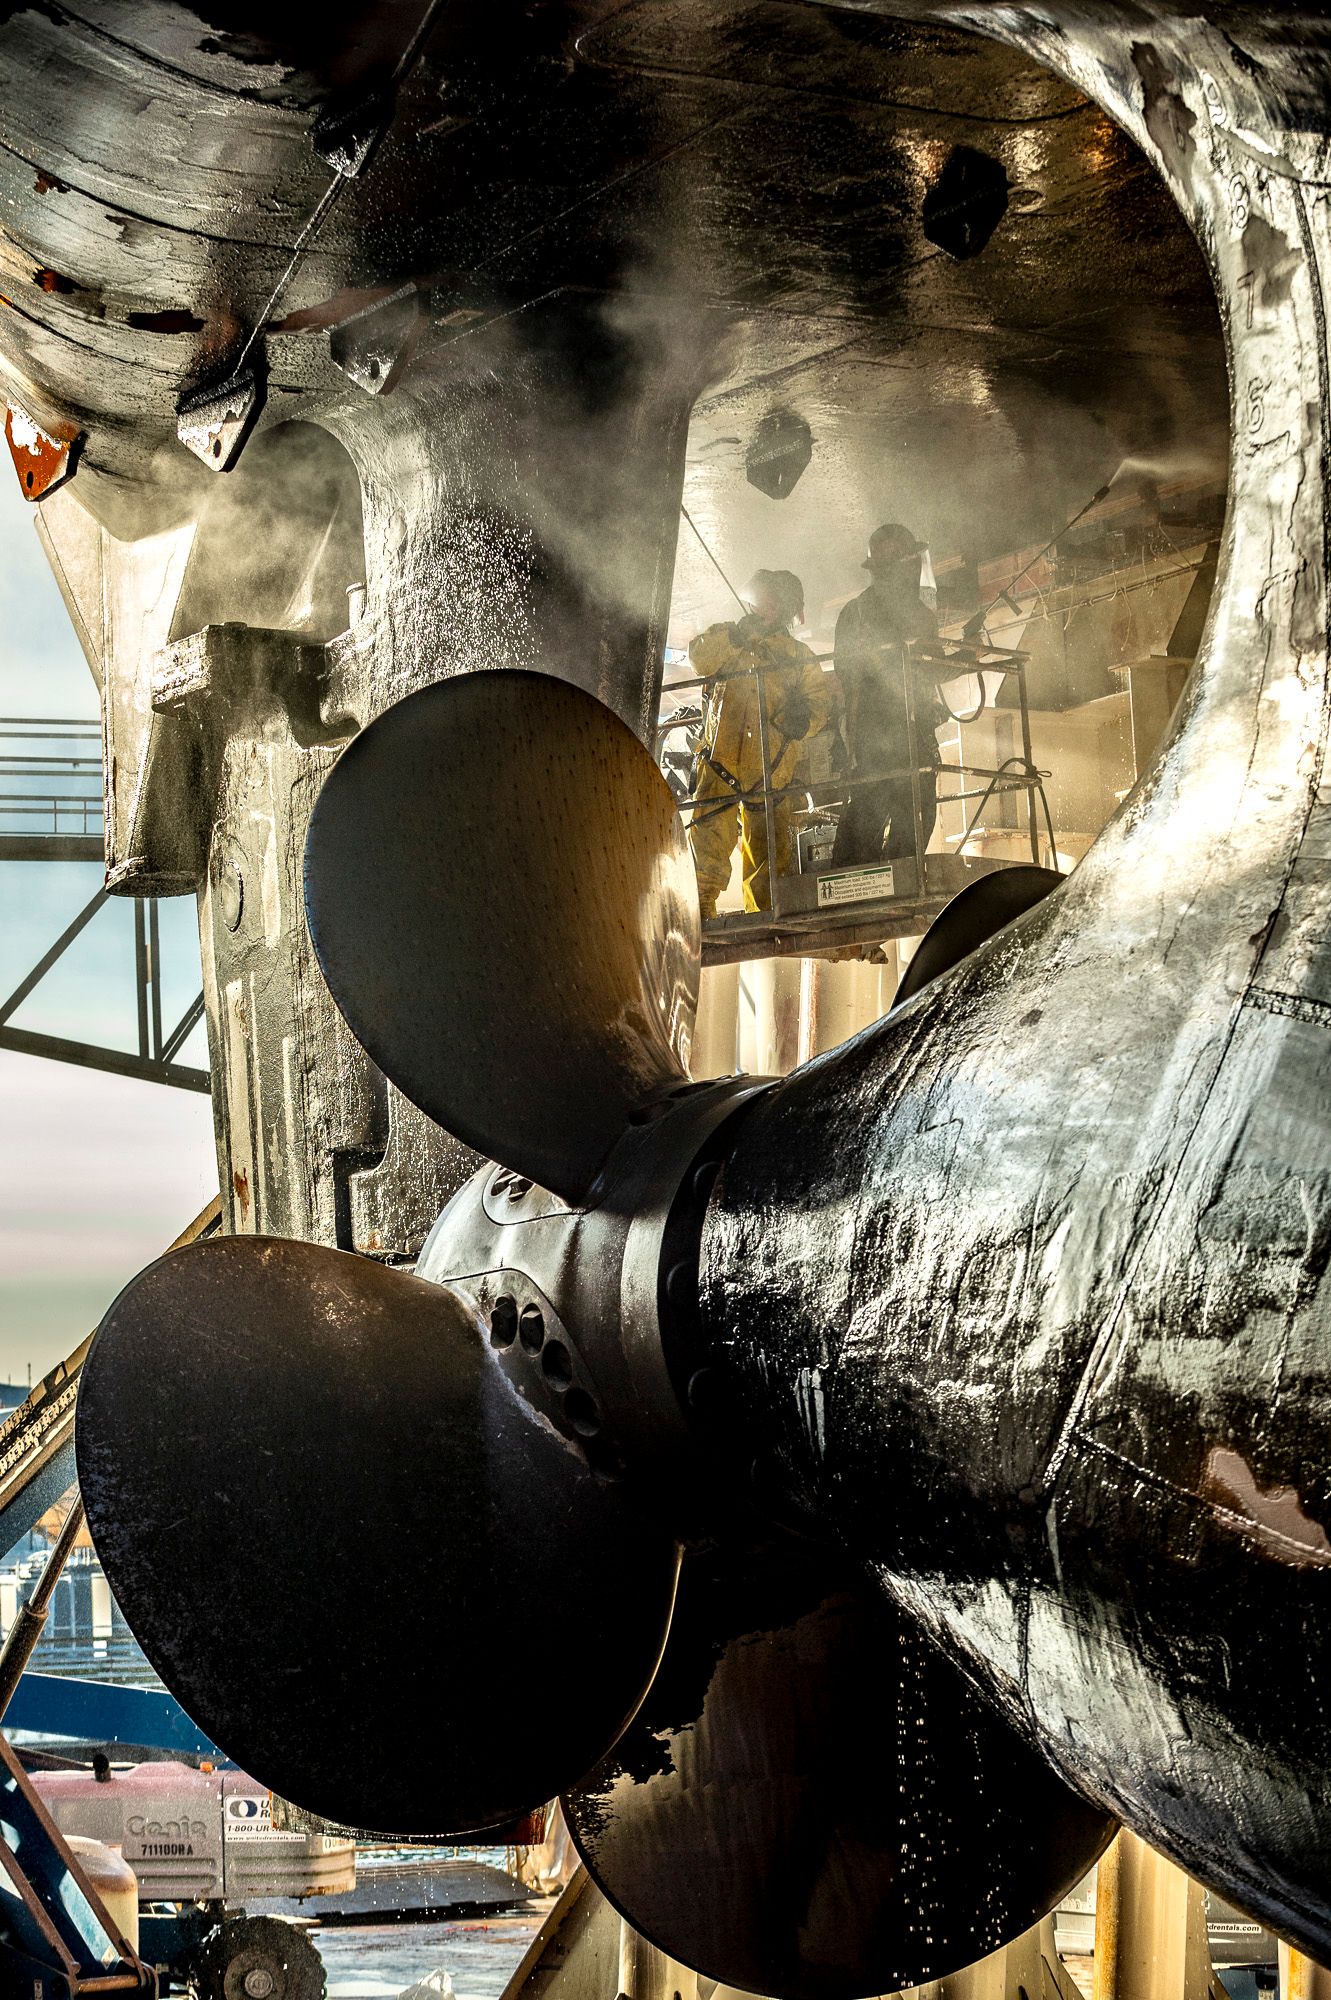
column 769, row 165
column 588, row 215
column 1021, row 1294
column 812, row 1802
column 1043, row 1326
column 357, row 1506
column 970, row 920
column 497, row 807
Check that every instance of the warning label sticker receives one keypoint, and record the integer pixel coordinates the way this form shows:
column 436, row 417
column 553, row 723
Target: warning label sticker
column 854, row 885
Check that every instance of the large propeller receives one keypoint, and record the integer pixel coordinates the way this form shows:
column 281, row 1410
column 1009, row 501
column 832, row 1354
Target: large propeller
column 400, row 1492
column 811, row 1801
column 506, row 914
column 347, row 1538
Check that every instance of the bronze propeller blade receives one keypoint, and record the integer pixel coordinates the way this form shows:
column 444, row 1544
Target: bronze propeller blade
column 336, row 1516
column 812, row 1802
column 503, row 903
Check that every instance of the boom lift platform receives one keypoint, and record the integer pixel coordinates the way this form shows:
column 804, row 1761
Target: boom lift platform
column 820, row 907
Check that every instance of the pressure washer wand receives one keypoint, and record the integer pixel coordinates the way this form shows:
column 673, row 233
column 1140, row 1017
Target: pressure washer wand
column 974, row 626
column 713, row 561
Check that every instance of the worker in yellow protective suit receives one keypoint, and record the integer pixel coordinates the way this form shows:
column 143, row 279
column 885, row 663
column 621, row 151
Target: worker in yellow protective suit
column 801, row 701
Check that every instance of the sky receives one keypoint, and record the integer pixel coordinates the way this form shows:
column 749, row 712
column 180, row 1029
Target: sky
column 97, row 1172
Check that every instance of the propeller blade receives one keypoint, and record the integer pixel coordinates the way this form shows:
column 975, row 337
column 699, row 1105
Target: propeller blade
column 975, row 914
column 812, row 1803
column 503, row 902
column 338, row 1520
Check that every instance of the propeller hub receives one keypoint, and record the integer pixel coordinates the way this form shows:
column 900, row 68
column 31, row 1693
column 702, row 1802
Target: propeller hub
column 593, row 1309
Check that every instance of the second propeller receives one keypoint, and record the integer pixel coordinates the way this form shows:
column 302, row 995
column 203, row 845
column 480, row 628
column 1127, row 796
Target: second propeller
column 812, row 1802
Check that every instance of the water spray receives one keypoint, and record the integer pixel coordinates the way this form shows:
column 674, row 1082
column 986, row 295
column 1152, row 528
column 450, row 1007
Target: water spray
column 973, row 627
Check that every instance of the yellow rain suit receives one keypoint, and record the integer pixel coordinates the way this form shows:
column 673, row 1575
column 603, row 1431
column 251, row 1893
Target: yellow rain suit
column 801, row 699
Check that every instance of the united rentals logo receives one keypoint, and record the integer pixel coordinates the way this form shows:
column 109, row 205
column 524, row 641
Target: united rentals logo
column 252, row 1817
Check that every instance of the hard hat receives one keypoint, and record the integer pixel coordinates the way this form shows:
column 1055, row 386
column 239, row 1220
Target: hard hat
column 778, row 587
column 889, row 544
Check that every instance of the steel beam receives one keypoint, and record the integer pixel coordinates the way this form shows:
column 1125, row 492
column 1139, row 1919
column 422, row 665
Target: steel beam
column 51, row 847
column 48, row 958
column 114, row 1061
column 141, row 978
column 153, row 1062
column 184, row 1027
column 1301, row 1978
column 26, row 1630
column 1150, row 1928
column 585, row 1951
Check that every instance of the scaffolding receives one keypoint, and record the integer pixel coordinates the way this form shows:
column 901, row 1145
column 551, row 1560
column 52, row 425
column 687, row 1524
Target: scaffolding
column 51, row 810
column 818, row 906
column 51, row 805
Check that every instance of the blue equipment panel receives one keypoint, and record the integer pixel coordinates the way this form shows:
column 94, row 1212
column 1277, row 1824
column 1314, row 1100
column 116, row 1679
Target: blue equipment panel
column 95, row 1712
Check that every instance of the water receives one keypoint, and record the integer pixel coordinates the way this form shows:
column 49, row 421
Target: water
column 377, row 1962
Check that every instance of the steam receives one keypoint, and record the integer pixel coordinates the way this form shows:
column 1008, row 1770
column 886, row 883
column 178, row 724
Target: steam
column 976, row 457
column 544, row 432
column 279, row 539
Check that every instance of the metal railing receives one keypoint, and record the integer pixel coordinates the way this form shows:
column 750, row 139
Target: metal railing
column 51, row 804
column 56, row 815
column 1016, row 775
